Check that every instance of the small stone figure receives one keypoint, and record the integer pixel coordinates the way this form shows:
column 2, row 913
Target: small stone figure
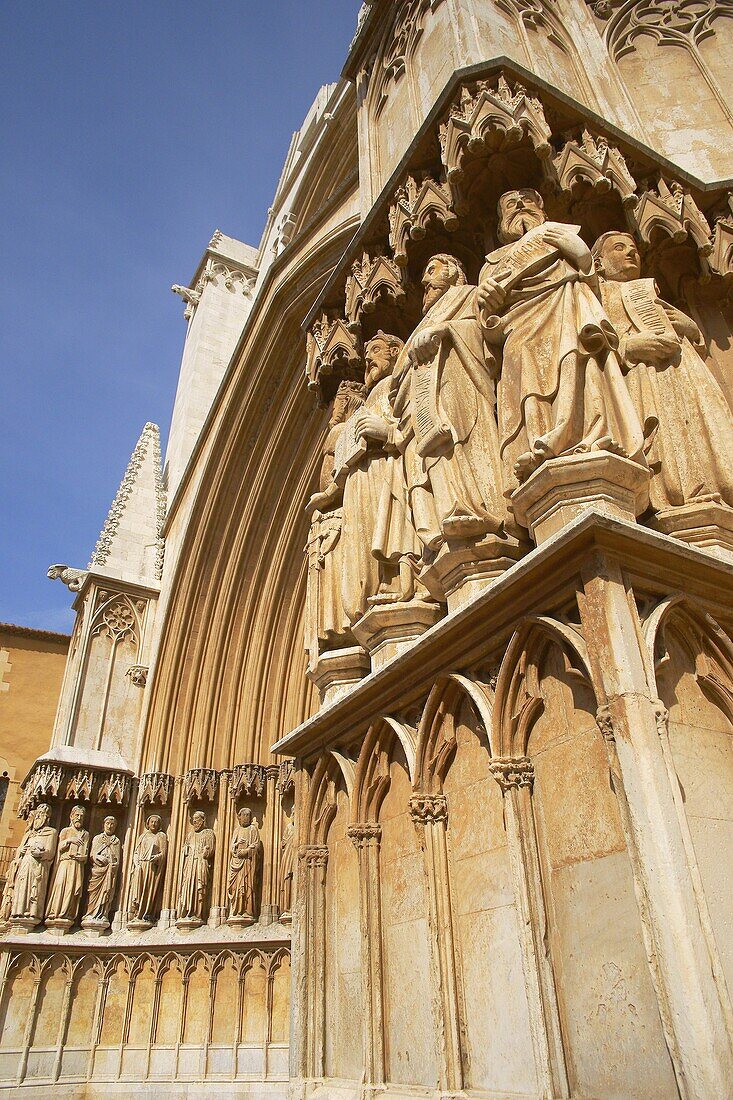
column 148, row 867
column 33, row 865
column 198, row 852
column 243, row 866
column 73, row 850
column 105, row 860
column 286, row 872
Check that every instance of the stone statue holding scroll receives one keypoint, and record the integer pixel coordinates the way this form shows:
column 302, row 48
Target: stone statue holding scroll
column 33, row 865
column 148, row 869
column 562, row 390
column 73, row 850
column 687, row 418
column 443, row 395
column 104, row 859
column 198, row 852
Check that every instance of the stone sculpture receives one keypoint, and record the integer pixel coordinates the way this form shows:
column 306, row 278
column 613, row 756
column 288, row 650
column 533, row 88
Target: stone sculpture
column 73, row 851
column 562, row 391
column 379, row 541
column 686, row 417
column 33, row 865
column 443, row 398
column 198, row 852
column 244, row 857
column 105, row 858
column 327, row 626
column 148, row 868
column 286, row 872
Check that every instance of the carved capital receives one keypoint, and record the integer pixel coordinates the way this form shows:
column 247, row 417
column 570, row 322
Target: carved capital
column 604, row 721
column 721, row 257
column 661, row 716
column 286, row 777
column 489, row 116
column 200, row 784
column 155, row 787
column 417, row 204
column 428, row 808
column 364, row 833
column 512, row 772
column 314, row 855
column 249, row 780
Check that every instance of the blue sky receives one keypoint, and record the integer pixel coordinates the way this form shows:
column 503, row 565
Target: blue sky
column 128, row 134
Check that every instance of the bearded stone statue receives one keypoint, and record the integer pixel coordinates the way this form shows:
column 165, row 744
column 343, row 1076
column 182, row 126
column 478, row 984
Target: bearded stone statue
column 562, row 390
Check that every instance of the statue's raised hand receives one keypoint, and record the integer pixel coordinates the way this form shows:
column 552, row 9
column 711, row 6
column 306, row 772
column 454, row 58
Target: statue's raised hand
column 571, row 246
column 426, row 344
column 490, row 297
column 370, row 426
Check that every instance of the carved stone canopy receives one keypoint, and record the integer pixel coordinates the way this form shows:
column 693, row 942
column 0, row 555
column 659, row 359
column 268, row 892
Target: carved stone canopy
column 155, row 788
column 248, row 780
column 200, row 785
column 49, row 781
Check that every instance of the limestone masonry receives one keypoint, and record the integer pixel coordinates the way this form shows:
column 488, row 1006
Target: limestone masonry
column 394, row 751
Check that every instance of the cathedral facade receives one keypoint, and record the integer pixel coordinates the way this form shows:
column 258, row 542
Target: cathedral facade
column 394, row 752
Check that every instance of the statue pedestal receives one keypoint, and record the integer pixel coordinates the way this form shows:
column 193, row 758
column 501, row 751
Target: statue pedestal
column 386, row 629
column 465, row 567
column 563, row 488
column 139, row 925
column 187, row 924
column 240, row 921
column 704, row 523
column 60, row 926
column 335, row 672
column 286, row 918
column 94, row 928
column 21, row 926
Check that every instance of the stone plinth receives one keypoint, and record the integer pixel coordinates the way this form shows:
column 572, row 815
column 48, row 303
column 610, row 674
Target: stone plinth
column 60, row 926
column 139, row 925
column 704, row 523
column 465, row 567
column 240, row 921
column 387, row 629
column 94, row 928
column 187, row 924
column 563, row 488
column 334, row 673
column 21, row 926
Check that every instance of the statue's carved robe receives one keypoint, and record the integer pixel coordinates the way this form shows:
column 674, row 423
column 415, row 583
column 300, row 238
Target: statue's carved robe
column 286, row 869
column 691, row 455
column 377, row 532
column 561, row 389
column 65, row 895
column 105, row 863
column 198, row 852
column 34, row 858
column 243, row 862
column 148, row 867
column 447, row 426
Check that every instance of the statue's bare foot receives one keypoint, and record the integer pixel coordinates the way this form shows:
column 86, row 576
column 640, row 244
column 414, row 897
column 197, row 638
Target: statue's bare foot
column 386, row 597
column 525, row 465
column 463, row 525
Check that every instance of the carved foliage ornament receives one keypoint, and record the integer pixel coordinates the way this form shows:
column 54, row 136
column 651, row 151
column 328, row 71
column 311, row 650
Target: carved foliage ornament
column 673, row 210
column 416, row 204
column 428, row 808
column 286, row 777
column 491, row 116
column 593, row 161
column 721, row 257
column 365, row 832
column 43, row 783
column 512, row 773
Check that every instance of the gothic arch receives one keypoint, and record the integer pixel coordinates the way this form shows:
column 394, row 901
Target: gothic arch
column 707, row 643
column 518, row 700
column 436, row 736
column 372, row 768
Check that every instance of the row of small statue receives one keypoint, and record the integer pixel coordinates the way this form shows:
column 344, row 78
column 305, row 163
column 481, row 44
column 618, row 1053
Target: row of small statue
column 25, row 903
column 558, row 350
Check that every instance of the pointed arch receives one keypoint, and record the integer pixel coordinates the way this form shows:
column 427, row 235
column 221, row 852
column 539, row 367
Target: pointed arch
column 372, row 768
column 436, row 739
column 518, row 700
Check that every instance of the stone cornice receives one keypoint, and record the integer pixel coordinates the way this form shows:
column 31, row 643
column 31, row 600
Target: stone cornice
column 548, row 576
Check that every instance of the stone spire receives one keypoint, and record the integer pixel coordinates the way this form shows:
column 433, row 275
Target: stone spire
column 130, row 546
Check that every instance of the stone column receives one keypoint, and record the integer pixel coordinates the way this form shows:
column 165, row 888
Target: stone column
column 516, row 779
column 314, row 862
column 366, row 837
column 170, row 883
column 430, row 815
column 218, row 912
column 692, row 1005
column 270, row 908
